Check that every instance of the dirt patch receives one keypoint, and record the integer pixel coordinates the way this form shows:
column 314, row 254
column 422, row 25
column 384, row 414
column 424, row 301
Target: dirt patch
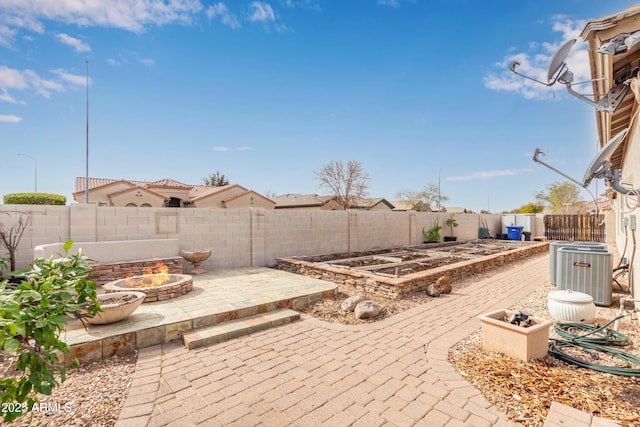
column 329, row 310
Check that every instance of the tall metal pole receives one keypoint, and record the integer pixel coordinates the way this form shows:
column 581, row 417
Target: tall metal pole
column 35, row 172
column 86, row 176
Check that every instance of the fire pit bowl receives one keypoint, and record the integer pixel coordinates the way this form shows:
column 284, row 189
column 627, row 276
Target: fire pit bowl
column 156, row 287
column 116, row 306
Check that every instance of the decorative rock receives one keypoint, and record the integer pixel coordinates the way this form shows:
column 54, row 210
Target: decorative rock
column 367, row 310
column 350, row 303
column 434, row 291
column 444, row 283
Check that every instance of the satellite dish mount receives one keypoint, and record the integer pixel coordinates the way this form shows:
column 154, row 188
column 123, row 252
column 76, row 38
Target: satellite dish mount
column 600, row 167
column 559, row 72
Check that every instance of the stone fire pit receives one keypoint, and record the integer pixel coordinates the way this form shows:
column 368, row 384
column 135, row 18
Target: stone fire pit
column 157, row 287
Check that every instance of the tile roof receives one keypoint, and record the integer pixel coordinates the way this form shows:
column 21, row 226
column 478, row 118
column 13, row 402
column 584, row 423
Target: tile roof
column 196, row 192
column 604, row 67
column 298, row 200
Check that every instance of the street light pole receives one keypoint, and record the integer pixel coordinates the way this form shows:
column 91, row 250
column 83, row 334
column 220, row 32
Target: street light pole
column 35, row 171
column 86, row 177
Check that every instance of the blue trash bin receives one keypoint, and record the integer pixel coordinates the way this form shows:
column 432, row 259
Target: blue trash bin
column 514, row 232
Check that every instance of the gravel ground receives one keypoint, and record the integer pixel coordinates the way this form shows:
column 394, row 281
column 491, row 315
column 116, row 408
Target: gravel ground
column 93, row 395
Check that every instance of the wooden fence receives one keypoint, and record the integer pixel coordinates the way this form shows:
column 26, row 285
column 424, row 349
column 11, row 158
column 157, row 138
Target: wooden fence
column 575, row 228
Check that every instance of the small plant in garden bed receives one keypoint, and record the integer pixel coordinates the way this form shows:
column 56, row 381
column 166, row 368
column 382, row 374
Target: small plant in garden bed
column 32, row 315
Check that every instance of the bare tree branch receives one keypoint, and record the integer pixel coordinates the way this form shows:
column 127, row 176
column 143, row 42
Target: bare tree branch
column 10, row 237
column 422, row 200
column 346, row 182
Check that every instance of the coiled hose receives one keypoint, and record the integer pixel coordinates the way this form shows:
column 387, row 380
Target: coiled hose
column 596, row 339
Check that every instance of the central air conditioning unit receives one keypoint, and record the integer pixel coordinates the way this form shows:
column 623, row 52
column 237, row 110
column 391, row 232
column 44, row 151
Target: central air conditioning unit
column 586, row 270
column 553, row 254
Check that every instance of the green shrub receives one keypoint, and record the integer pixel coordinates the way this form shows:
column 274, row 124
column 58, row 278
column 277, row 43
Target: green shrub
column 34, row 199
column 32, row 316
column 432, row 234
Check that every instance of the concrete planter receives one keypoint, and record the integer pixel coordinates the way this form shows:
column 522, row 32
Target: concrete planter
column 116, row 312
column 516, row 341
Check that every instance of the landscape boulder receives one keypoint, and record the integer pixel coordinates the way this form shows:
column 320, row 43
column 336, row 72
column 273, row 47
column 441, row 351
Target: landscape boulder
column 433, row 291
column 444, row 283
column 367, row 310
column 350, row 303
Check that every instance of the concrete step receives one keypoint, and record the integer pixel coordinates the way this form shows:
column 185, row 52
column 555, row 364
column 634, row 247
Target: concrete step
column 225, row 331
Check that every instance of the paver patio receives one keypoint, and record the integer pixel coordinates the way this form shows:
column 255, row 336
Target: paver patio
column 311, row 373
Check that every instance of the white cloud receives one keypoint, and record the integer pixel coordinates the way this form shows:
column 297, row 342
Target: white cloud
column 304, row 4
column 5, row 97
column 28, row 80
column 535, row 63
column 131, row 15
column 392, row 3
column 148, row 62
column 9, row 118
column 11, row 79
column 222, row 148
column 488, row 174
column 41, row 86
column 220, row 10
column 7, row 36
column 75, row 79
column 261, row 12
column 75, row 43
column 128, row 56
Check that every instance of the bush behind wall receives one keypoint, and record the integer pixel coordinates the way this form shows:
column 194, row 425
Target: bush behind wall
column 34, row 199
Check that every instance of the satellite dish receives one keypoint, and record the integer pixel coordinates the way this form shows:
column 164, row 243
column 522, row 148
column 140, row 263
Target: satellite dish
column 559, row 72
column 600, row 164
column 557, row 61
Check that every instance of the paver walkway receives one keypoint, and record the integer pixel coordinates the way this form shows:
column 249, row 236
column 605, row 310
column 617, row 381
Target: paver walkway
column 311, row 373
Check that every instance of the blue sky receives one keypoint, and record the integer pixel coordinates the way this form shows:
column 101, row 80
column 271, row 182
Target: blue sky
column 267, row 92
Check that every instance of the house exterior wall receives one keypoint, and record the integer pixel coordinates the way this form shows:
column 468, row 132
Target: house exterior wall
column 101, row 194
column 217, row 200
column 332, row 205
column 137, row 198
column 628, row 206
column 380, row 207
column 236, row 237
column 178, row 193
column 250, row 200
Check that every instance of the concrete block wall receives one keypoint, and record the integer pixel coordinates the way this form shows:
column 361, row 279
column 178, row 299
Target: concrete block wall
column 236, row 237
column 227, row 232
column 305, row 232
column 376, row 229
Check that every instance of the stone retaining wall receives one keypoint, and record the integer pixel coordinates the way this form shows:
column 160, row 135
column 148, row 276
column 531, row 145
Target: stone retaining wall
column 396, row 288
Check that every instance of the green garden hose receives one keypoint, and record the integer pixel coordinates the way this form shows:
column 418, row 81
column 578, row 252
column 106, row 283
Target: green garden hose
column 594, row 334
column 597, row 339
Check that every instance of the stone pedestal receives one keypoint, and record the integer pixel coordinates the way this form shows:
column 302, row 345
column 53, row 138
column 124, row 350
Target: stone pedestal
column 196, row 258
